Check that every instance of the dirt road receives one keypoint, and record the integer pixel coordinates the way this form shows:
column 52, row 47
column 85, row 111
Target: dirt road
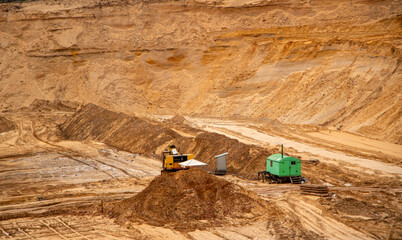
column 250, row 135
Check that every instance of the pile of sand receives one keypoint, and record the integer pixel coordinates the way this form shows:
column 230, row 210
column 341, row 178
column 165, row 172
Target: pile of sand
column 140, row 135
column 189, row 199
column 244, row 160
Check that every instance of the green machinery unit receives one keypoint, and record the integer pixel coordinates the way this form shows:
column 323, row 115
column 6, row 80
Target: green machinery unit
column 282, row 168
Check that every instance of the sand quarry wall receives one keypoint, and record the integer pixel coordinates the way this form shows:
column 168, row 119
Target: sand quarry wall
column 334, row 63
column 142, row 136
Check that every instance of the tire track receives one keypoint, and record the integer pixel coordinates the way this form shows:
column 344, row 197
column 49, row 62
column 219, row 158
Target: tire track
column 65, row 154
column 118, row 168
column 85, row 163
column 67, row 226
column 22, row 231
column 324, row 226
column 28, row 209
column 54, row 230
column 63, row 228
column 6, row 233
column 75, row 152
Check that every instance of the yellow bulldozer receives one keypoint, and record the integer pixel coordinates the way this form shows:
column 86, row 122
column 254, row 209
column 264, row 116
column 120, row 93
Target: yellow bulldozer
column 171, row 159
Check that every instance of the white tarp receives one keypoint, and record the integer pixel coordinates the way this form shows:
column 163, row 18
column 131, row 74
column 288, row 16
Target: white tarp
column 191, row 163
column 221, row 155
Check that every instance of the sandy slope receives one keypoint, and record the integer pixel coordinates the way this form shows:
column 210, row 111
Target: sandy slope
column 320, row 76
column 333, row 63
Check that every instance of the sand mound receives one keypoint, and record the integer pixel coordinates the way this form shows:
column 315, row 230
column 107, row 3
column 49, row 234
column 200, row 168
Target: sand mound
column 185, row 199
column 245, row 160
column 6, row 125
column 142, row 136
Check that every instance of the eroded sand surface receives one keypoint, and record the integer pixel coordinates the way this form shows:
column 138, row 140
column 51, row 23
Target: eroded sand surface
column 92, row 91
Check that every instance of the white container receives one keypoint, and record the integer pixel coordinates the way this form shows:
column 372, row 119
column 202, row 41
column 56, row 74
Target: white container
column 221, row 162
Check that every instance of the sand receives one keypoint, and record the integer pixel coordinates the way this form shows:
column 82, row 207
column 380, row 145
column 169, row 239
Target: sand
column 81, row 82
column 300, row 62
column 48, row 182
column 251, row 135
column 187, row 200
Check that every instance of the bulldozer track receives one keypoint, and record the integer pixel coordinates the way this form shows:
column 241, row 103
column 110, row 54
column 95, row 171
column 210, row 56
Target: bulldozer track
column 67, row 226
column 322, row 225
column 59, row 228
column 78, row 153
column 12, row 212
column 22, row 231
column 5, row 233
column 90, row 165
column 54, row 230
column 113, row 166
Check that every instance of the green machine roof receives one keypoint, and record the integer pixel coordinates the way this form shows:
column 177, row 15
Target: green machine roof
column 278, row 158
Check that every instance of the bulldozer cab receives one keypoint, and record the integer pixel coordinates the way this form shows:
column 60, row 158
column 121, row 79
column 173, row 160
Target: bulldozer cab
column 170, row 150
column 173, row 150
column 171, row 158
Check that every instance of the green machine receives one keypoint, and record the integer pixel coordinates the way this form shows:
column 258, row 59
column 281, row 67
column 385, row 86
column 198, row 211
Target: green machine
column 283, row 166
column 281, row 169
